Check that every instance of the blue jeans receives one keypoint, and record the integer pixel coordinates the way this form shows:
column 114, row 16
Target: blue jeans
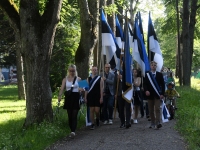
column 108, row 101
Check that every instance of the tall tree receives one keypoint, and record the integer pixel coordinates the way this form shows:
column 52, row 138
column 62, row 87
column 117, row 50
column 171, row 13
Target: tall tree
column 36, row 31
column 188, row 26
column 89, row 25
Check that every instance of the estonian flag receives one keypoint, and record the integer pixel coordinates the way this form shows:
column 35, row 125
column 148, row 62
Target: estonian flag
column 139, row 51
column 140, row 26
column 109, row 43
column 153, row 46
column 127, row 73
column 119, row 34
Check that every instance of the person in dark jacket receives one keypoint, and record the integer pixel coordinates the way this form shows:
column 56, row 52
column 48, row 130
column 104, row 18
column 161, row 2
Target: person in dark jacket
column 154, row 94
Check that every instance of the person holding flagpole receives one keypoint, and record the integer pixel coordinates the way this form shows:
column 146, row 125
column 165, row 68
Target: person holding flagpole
column 154, row 88
column 108, row 94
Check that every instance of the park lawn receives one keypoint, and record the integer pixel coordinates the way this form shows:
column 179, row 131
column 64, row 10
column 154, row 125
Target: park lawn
column 188, row 114
column 12, row 116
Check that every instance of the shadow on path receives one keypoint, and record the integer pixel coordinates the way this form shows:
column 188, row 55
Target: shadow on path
column 111, row 137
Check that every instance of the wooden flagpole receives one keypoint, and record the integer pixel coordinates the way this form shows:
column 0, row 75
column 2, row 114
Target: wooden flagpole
column 117, row 88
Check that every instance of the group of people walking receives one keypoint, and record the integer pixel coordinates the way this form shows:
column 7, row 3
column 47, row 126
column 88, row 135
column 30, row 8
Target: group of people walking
column 105, row 88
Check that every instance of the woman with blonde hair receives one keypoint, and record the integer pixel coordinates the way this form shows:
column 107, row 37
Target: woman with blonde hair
column 71, row 103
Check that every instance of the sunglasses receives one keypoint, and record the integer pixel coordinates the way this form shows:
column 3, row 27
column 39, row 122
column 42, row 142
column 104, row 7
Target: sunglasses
column 107, row 67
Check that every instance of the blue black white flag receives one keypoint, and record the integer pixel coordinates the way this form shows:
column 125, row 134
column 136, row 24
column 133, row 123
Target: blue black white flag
column 139, row 51
column 127, row 72
column 119, row 34
column 110, row 47
column 153, row 46
column 140, row 25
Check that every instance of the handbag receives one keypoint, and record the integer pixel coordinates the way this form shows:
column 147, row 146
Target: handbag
column 68, row 93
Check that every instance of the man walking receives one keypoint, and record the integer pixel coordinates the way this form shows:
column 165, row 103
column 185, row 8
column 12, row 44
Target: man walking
column 108, row 95
column 154, row 88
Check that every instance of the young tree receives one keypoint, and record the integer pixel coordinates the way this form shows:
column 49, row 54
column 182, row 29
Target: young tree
column 36, row 32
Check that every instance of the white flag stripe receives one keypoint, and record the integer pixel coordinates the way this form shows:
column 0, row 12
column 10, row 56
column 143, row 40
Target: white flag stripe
column 119, row 42
column 109, row 53
column 128, row 96
column 154, row 45
column 159, row 59
column 108, row 47
column 107, row 40
column 136, row 57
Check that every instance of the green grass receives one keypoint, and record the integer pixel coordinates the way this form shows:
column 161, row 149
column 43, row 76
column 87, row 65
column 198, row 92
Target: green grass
column 188, row 114
column 12, row 116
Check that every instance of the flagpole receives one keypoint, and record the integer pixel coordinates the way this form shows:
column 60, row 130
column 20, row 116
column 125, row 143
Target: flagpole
column 117, row 88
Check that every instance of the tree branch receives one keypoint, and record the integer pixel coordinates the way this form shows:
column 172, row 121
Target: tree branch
column 11, row 10
column 51, row 15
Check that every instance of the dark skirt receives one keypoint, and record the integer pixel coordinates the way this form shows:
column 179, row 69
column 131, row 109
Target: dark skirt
column 137, row 98
column 93, row 100
column 72, row 102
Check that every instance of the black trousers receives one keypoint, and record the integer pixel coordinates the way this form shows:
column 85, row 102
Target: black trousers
column 72, row 118
column 124, row 104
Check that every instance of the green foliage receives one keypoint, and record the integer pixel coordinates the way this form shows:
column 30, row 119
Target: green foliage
column 188, row 120
column 12, row 116
column 66, row 43
column 110, row 9
column 168, row 27
column 7, row 42
column 196, row 55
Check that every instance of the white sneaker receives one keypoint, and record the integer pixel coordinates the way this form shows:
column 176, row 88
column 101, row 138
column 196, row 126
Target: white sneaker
column 72, row 134
column 135, row 121
column 110, row 121
column 105, row 122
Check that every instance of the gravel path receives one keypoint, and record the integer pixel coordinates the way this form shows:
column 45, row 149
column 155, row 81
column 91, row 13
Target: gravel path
column 111, row 137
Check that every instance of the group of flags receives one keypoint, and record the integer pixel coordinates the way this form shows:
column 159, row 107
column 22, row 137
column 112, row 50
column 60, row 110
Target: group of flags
column 128, row 39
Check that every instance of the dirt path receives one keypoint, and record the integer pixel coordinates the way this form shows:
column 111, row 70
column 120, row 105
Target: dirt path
column 111, row 137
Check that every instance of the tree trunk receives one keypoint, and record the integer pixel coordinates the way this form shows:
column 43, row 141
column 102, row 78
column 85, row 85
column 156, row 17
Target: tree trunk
column 37, row 37
column 186, row 44
column 88, row 22
column 193, row 13
column 178, row 52
column 20, row 70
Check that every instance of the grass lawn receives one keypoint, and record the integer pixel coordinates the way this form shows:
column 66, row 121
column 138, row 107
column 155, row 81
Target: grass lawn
column 188, row 114
column 12, row 116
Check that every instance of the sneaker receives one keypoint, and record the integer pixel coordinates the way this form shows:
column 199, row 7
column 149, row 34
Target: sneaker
column 97, row 122
column 92, row 127
column 135, row 121
column 72, row 134
column 159, row 126
column 110, row 121
column 131, row 121
column 122, row 125
column 105, row 122
column 152, row 126
column 128, row 126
